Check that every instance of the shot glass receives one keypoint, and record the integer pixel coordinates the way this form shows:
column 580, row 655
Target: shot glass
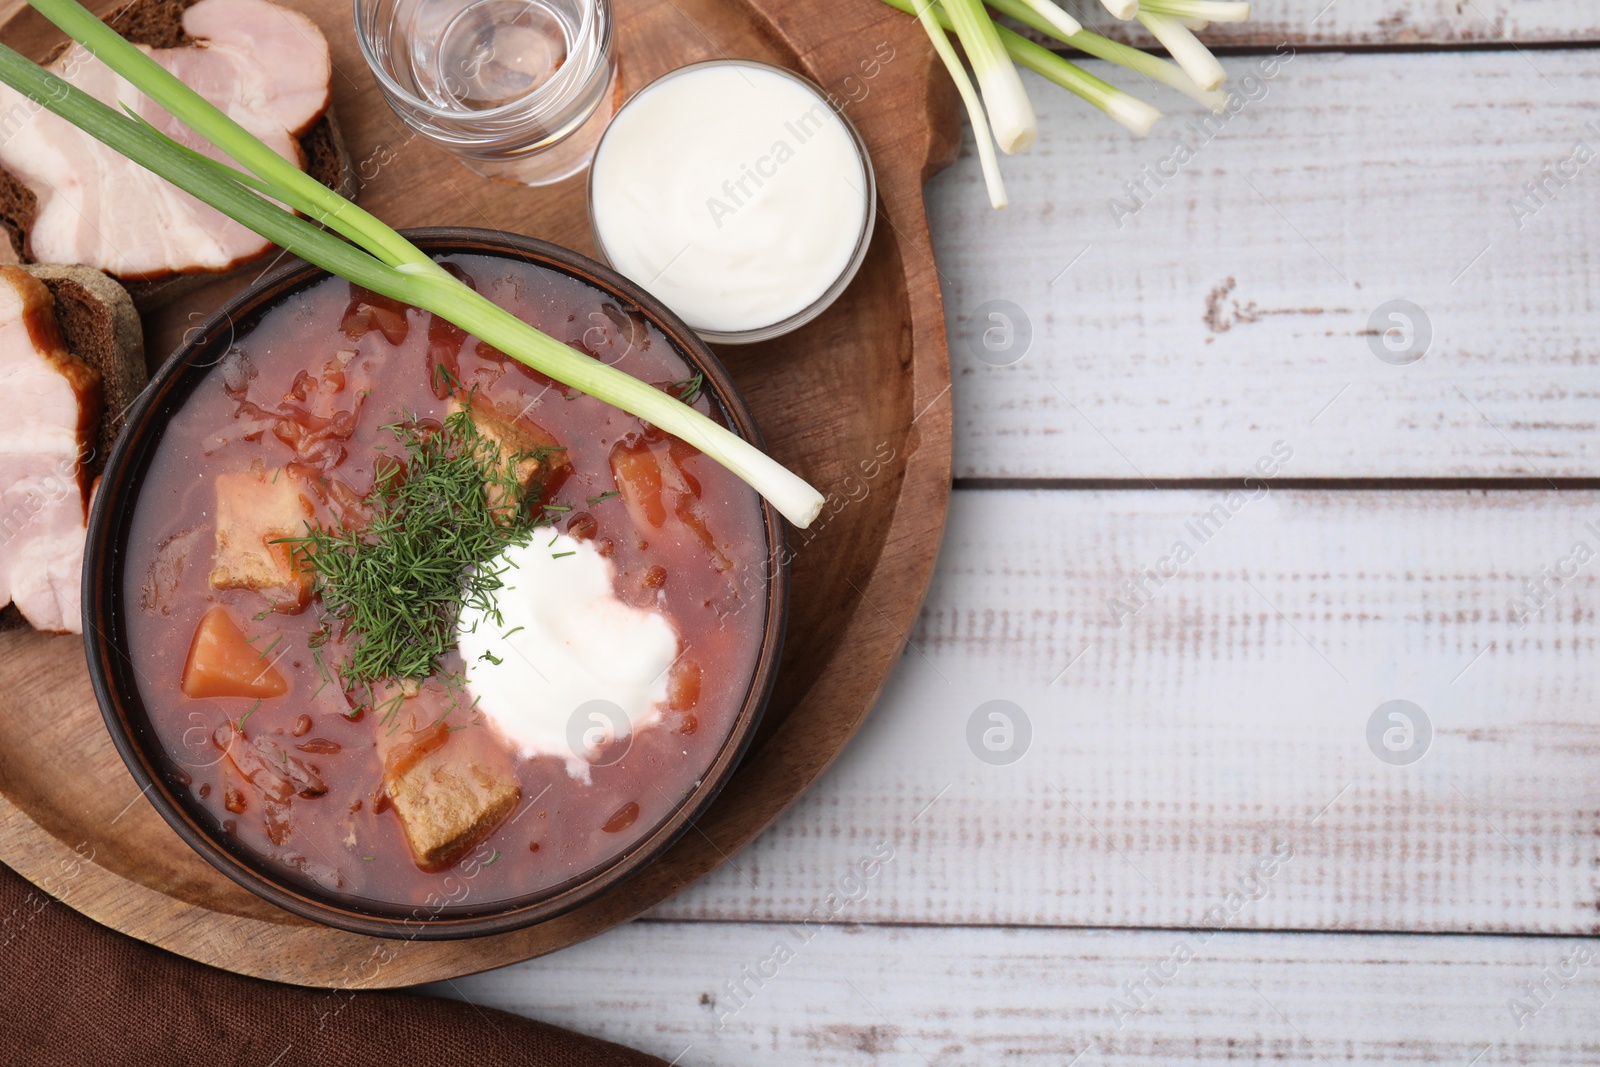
column 519, row 90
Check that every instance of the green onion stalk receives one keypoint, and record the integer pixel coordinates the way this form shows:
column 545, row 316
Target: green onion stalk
column 1010, row 111
column 1052, row 13
column 1178, row 39
column 1127, row 109
column 1203, row 10
column 1133, row 114
column 936, row 30
column 1140, row 62
column 373, row 256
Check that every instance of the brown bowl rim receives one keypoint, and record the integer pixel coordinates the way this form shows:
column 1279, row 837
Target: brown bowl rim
column 123, row 710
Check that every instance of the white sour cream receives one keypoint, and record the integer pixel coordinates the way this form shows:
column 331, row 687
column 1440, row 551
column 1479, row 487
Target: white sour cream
column 565, row 643
column 733, row 192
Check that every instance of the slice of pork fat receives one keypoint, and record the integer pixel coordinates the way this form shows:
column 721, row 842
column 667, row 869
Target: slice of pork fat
column 52, row 408
column 267, row 67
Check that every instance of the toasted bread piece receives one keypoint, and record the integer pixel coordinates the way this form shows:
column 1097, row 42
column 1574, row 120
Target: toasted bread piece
column 450, row 787
column 452, row 799
column 159, row 24
column 254, row 509
column 527, row 450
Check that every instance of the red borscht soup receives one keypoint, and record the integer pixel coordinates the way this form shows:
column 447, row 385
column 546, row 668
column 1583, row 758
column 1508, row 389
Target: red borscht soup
column 282, row 540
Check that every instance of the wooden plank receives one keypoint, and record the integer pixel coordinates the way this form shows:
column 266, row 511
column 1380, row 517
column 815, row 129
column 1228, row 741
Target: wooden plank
column 1225, row 721
column 1367, row 23
column 1241, row 301
column 725, row 994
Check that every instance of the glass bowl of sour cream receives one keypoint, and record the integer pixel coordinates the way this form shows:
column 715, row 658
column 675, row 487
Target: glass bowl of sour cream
column 738, row 194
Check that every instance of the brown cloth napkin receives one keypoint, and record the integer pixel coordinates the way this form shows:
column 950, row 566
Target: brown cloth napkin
column 75, row 994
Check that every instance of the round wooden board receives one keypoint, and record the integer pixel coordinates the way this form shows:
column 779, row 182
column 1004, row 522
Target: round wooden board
column 868, row 380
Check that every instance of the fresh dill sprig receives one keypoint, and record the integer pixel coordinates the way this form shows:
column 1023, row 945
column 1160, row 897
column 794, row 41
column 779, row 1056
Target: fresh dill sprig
column 688, row 390
column 322, row 671
column 428, row 552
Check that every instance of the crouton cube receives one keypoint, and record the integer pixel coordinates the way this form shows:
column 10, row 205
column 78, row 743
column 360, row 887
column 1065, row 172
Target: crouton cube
column 254, row 509
column 533, row 457
column 450, row 789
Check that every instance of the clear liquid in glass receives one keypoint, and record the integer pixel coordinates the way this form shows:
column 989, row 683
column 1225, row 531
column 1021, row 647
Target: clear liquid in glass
column 493, row 53
column 518, row 89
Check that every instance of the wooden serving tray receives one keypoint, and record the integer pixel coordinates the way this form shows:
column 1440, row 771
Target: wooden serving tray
column 857, row 402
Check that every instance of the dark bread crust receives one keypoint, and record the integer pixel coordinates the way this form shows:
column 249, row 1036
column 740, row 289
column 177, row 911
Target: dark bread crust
column 152, row 23
column 18, row 208
column 101, row 328
column 159, row 24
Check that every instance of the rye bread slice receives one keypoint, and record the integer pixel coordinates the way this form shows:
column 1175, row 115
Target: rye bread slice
column 159, row 24
column 101, row 328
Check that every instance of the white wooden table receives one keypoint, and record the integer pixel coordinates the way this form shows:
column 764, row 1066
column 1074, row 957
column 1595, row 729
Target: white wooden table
column 1215, row 843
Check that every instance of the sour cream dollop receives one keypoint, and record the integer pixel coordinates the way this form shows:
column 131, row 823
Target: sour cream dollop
column 570, row 663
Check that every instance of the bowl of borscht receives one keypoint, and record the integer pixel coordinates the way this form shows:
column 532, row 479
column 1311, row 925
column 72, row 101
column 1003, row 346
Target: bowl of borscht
column 406, row 637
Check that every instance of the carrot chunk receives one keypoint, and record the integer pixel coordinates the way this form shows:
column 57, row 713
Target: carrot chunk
column 638, row 474
column 223, row 664
column 660, row 493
